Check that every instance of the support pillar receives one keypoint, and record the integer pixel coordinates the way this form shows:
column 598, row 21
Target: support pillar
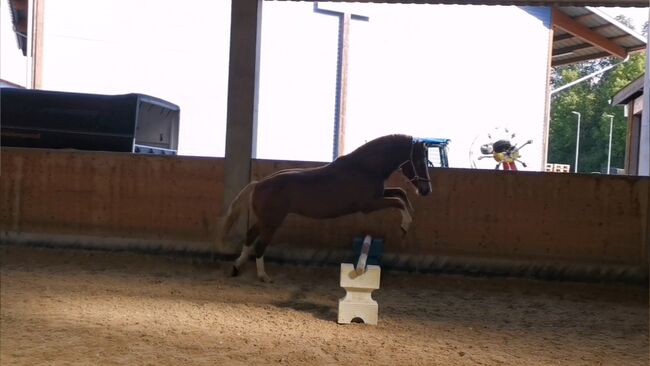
column 644, row 135
column 243, row 81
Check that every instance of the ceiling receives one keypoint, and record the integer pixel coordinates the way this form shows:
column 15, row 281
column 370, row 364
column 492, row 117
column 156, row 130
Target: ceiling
column 580, row 33
column 585, row 33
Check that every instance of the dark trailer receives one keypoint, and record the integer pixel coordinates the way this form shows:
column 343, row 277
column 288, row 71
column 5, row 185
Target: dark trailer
column 134, row 123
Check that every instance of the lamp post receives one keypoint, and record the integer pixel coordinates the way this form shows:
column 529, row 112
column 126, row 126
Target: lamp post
column 577, row 141
column 609, row 153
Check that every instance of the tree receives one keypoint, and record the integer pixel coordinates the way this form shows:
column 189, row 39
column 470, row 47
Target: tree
column 592, row 99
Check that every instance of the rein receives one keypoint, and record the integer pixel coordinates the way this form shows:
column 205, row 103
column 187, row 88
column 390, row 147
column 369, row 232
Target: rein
column 415, row 172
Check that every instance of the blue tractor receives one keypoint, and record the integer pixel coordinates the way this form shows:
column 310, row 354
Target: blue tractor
column 437, row 152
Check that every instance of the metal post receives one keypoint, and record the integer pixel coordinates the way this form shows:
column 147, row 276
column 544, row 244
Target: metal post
column 577, row 141
column 609, row 153
column 341, row 75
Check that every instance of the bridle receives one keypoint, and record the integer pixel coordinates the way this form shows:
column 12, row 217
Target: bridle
column 415, row 172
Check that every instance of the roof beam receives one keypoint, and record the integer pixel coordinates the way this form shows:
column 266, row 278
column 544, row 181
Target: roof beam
column 572, row 60
column 567, row 24
column 620, row 37
column 603, row 26
column 570, row 49
column 582, row 17
column 562, row 37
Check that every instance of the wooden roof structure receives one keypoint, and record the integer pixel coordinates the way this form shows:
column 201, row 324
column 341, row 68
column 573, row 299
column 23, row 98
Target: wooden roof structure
column 19, row 11
column 630, row 92
column 586, row 33
column 580, row 33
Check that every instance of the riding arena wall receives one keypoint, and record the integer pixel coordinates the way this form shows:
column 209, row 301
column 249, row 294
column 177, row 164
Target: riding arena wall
column 538, row 224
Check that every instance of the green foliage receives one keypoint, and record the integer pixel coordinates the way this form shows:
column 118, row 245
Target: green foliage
column 592, row 99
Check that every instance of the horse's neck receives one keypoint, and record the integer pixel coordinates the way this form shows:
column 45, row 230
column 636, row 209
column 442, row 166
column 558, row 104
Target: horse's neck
column 392, row 159
column 383, row 159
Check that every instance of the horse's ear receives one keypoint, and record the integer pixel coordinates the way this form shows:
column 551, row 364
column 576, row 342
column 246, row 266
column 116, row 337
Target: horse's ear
column 418, row 141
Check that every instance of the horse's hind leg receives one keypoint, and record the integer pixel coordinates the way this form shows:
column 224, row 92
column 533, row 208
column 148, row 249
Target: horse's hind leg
column 251, row 236
column 260, row 247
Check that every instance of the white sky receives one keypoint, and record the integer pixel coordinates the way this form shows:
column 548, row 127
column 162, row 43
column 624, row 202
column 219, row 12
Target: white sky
column 638, row 15
column 406, row 72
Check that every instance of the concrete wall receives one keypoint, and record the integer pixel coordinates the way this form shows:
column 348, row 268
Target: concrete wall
column 475, row 220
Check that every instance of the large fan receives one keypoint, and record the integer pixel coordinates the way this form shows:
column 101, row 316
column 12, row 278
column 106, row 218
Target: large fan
column 496, row 148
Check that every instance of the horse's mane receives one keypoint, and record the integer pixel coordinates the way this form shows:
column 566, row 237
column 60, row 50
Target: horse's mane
column 383, row 154
column 382, row 142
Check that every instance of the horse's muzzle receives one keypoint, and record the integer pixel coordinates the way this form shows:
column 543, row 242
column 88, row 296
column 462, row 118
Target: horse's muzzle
column 424, row 188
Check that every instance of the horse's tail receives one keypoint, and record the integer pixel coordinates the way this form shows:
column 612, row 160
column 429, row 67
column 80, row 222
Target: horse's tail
column 238, row 205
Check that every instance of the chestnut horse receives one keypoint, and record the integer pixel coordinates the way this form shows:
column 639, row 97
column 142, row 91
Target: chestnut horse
column 352, row 183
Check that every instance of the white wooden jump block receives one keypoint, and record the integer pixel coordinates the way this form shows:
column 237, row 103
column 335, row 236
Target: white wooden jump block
column 358, row 302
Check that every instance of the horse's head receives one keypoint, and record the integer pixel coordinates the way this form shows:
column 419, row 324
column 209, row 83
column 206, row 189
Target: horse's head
column 416, row 168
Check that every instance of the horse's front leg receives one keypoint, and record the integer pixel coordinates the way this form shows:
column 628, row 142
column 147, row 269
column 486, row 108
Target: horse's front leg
column 391, row 202
column 399, row 193
column 252, row 235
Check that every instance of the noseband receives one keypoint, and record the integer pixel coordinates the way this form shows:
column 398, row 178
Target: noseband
column 415, row 172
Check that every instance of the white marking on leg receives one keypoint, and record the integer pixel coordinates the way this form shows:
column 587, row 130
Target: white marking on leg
column 406, row 220
column 261, row 273
column 243, row 257
column 410, row 207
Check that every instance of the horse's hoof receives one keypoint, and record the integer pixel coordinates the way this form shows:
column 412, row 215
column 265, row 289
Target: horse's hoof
column 265, row 279
column 234, row 272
